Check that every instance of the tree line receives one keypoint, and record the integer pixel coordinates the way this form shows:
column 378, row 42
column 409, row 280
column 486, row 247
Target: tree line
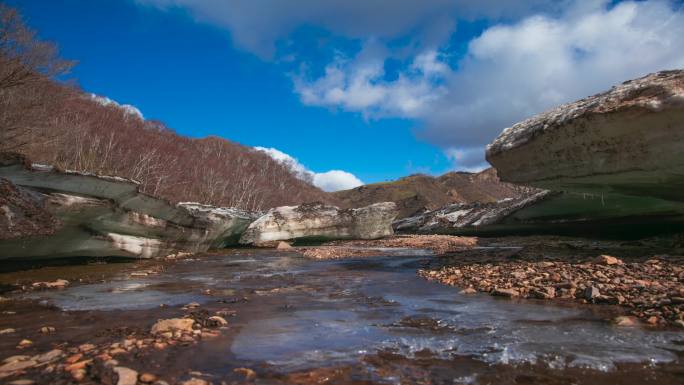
column 54, row 122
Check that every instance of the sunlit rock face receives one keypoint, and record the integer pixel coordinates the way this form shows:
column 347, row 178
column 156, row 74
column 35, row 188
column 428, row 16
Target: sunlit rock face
column 616, row 156
column 463, row 216
column 626, row 141
column 322, row 222
column 109, row 216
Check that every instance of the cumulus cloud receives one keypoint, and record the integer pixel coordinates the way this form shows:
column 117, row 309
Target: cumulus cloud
column 333, row 180
column 358, row 85
column 532, row 56
column 514, row 71
column 257, row 26
column 510, row 72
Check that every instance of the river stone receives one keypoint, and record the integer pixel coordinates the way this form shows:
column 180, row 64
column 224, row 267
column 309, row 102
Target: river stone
column 217, row 321
column 49, row 356
column 172, row 325
column 17, row 365
column 510, row 293
column 195, row 381
column 607, row 260
column 592, row 293
column 625, row 321
column 126, row 376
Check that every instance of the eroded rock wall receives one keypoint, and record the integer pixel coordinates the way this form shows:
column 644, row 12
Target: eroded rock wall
column 323, row 222
column 105, row 216
column 626, row 141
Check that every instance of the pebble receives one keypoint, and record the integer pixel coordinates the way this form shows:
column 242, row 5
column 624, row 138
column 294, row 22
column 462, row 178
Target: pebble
column 78, row 365
column 505, row 292
column 17, row 365
column 24, row 344
column 86, row 347
column 248, row 373
column 126, row 376
column 74, row 358
column 15, row 358
column 607, row 260
column 173, row 324
column 22, row 381
column 195, row 381
column 116, row 351
column 47, row 329
column 78, row 374
column 591, row 293
column 49, row 356
column 111, row 363
column 468, row 290
column 7, row 331
column 625, row 321
column 217, row 321
column 148, row 378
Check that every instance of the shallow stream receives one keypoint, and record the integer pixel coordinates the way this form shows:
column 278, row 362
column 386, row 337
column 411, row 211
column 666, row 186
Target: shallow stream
column 297, row 314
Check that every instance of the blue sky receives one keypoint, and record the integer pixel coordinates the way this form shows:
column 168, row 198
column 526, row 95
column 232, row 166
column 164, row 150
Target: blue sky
column 379, row 89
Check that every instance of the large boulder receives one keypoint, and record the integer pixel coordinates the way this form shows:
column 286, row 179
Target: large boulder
column 108, row 216
column 625, row 141
column 319, row 221
column 616, row 156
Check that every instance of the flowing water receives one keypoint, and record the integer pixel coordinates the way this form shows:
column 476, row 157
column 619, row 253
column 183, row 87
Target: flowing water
column 295, row 314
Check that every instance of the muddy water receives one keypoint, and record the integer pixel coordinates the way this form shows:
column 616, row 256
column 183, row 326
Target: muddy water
column 369, row 320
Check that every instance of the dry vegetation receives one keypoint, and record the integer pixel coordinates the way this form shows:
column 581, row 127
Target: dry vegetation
column 416, row 193
column 56, row 123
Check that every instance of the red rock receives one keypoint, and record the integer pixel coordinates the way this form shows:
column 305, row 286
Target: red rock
column 625, row 321
column 607, row 260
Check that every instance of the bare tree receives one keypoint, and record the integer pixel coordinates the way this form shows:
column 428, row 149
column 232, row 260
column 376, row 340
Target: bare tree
column 24, row 58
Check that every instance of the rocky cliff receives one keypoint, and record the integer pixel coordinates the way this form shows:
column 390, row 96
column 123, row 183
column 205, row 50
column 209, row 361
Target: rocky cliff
column 321, row 221
column 616, row 156
column 66, row 213
column 625, row 141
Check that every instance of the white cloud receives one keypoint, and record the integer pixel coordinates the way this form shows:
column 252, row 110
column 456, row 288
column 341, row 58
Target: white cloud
column 535, row 55
column 510, row 72
column 333, row 180
column 358, row 85
column 514, row 71
column 127, row 109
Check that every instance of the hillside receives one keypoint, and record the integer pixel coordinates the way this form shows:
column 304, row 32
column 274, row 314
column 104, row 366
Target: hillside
column 56, row 123
column 80, row 133
column 419, row 192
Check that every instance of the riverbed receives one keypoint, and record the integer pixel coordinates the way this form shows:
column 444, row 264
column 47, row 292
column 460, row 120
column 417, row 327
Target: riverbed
column 360, row 320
